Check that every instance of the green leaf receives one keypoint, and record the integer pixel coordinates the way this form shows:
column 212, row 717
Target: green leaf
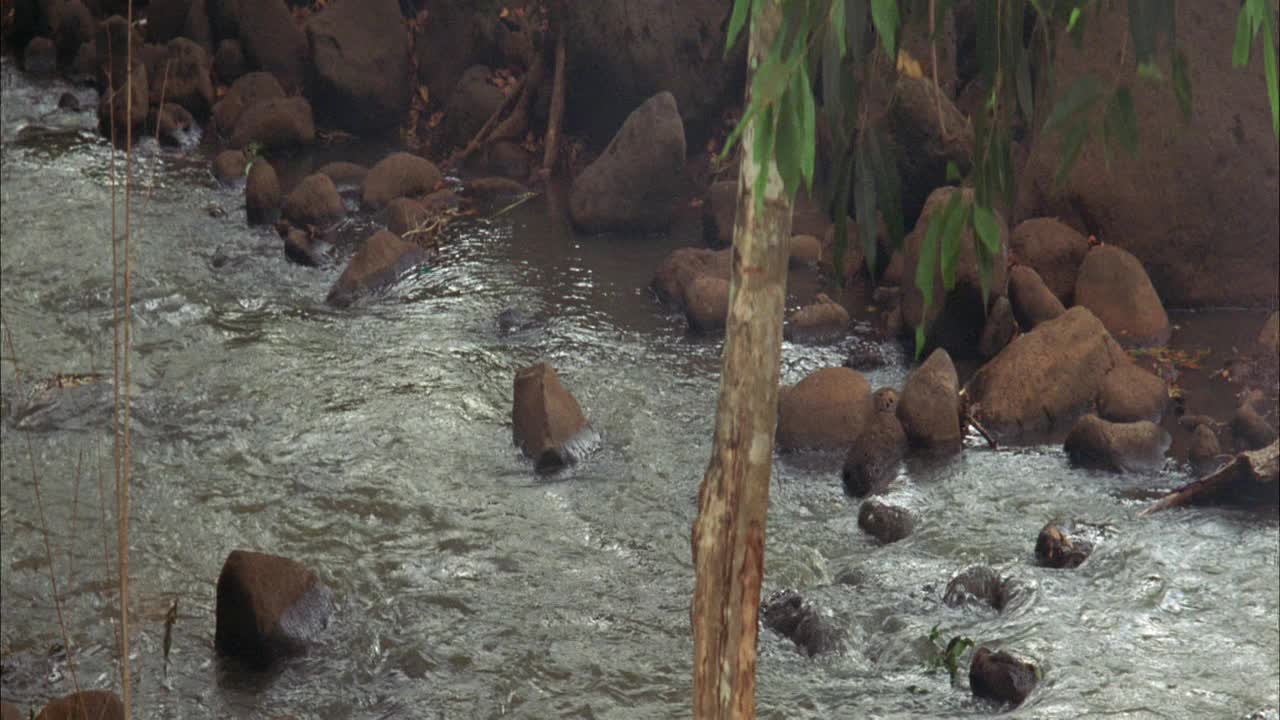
column 953, row 173
column 1079, row 97
column 808, row 128
column 1075, row 28
column 884, row 15
column 987, row 228
column 1182, row 83
column 1150, row 71
column 1070, row 151
column 1269, row 62
column 1074, row 20
column 952, row 223
column 762, row 153
column 788, row 144
column 888, row 187
column 741, row 9
column 1121, row 122
column 1244, row 39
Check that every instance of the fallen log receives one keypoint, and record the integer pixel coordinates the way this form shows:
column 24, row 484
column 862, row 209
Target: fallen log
column 1250, row 478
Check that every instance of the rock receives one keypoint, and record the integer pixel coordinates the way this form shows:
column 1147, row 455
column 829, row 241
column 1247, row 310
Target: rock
column 1199, row 203
column 894, row 270
column 930, row 406
column 804, row 251
column 492, row 188
column 9, row 711
column 884, row 522
column 635, row 184
column 165, row 19
column 1033, row 302
column 999, row 330
column 547, row 423
column 1002, row 677
column 360, row 62
column 64, row 401
column 1054, row 250
column 441, row 200
column 471, row 104
column 84, row 705
column 1118, row 447
column 1269, row 336
column 268, row 608
column 344, row 173
column 273, row 42
column 404, row 214
column 245, row 92
column 788, row 614
column 229, row 165
column 68, row 102
column 113, row 110
column 827, row 409
column 623, row 51
column 1129, row 394
column 382, row 258
column 40, row 57
column 182, row 77
column 706, row 304
column 719, row 207
column 1115, row 287
column 315, row 201
column 84, row 66
column 1061, row 546
column 276, row 123
column 1270, row 713
column 508, row 159
column 112, row 39
column 1044, row 378
column 172, row 124
column 865, row 354
column 922, row 147
column 872, row 462
column 1250, row 429
column 823, row 321
column 853, row 259
column 1203, row 450
column 956, row 319
column 684, row 265
column 229, row 62
column 443, row 47
column 299, row 248
column 262, row 193
column 69, row 24
column 197, row 28
column 977, row 584
column 398, row 175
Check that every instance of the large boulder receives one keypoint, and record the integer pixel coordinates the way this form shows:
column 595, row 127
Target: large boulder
column 623, row 51
column 382, row 258
column 471, row 104
column 706, row 303
column 1044, row 378
column 68, row 23
column 1129, row 394
column 684, row 265
column 1118, row 447
column 360, row 64
column 1032, row 300
column 262, row 195
column 1201, row 203
column 268, row 608
column 1054, row 250
column 1115, row 287
column 1001, row 676
column 827, row 409
column 183, row 78
column 84, row 705
column 245, row 92
column 274, row 124
column 930, row 405
column 872, row 462
column 315, row 201
column 635, row 184
column 398, row 175
column 956, row 318
column 927, row 131
column 546, row 421
column 272, row 41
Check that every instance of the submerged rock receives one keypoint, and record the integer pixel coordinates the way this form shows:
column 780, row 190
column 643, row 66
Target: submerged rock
column 1062, row 545
column 788, row 614
column 547, row 422
column 977, row 584
column 1001, row 676
column 1118, row 447
column 382, row 258
column 827, row 409
column 885, row 522
column 268, row 608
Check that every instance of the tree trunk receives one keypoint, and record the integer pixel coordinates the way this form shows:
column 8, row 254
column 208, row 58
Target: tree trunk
column 729, row 534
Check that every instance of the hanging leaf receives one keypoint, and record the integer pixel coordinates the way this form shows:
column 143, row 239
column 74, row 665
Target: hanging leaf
column 1269, row 62
column 1079, row 98
column 884, row 15
column 925, row 268
column 741, row 9
column 762, row 151
column 1075, row 28
column 1181, row 83
column 987, row 228
column 952, row 224
column 836, row 25
column 808, row 128
column 1121, row 121
column 888, row 187
column 1244, row 38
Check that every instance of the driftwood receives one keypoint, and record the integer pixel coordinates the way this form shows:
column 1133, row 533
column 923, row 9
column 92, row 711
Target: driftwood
column 1251, row 477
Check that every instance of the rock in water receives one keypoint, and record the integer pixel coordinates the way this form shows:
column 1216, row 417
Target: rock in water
column 787, row 613
column 828, row 409
column 1002, row 677
column 884, row 522
column 930, row 405
column 268, row 608
column 1118, row 447
column 547, row 422
column 84, row 705
column 872, row 463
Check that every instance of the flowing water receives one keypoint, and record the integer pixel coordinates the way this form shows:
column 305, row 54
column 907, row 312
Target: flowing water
column 374, row 445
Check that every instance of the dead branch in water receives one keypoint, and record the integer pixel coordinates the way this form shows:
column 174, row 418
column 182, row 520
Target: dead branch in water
column 1249, row 474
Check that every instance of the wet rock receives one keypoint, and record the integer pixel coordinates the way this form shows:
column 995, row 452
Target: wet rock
column 85, row 63
column 399, row 175
column 1114, row 286
column 112, row 39
column 1002, row 677
column 404, row 214
column 245, row 92
column 884, row 522
column 1265, row 714
column 823, row 321
column 493, row 188
column 382, row 258
column 84, row 705
column 508, row 159
column 1129, row 394
column 9, row 711
column 1045, row 377
column 182, row 77
column 197, row 27
column 925, row 144
column 275, row 123
column 315, row 201
column 344, row 173
column 229, row 165
column 930, row 405
column 471, row 103
column 804, row 251
column 827, row 409
column 262, row 193
column 956, row 318
column 684, row 265
column 1062, row 546
column 229, row 62
column 980, row 585
column 69, row 24
column 865, row 354
column 300, row 248
column 1054, row 250
column 115, row 113
column 999, row 330
column 1269, row 336
column 268, row 607
column 1118, row 447
column 69, row 102
column 273, row 42
column 441, row 200
column 788, row 614
column 706, row 304
column 1250, row 429
column 1032, row 301
column 360, row 62
column 172, row 124
column 547, row 422
column 40, row 57
column 872, row 462
column 719, row 206
column 1203, row 450
column 635, row 183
